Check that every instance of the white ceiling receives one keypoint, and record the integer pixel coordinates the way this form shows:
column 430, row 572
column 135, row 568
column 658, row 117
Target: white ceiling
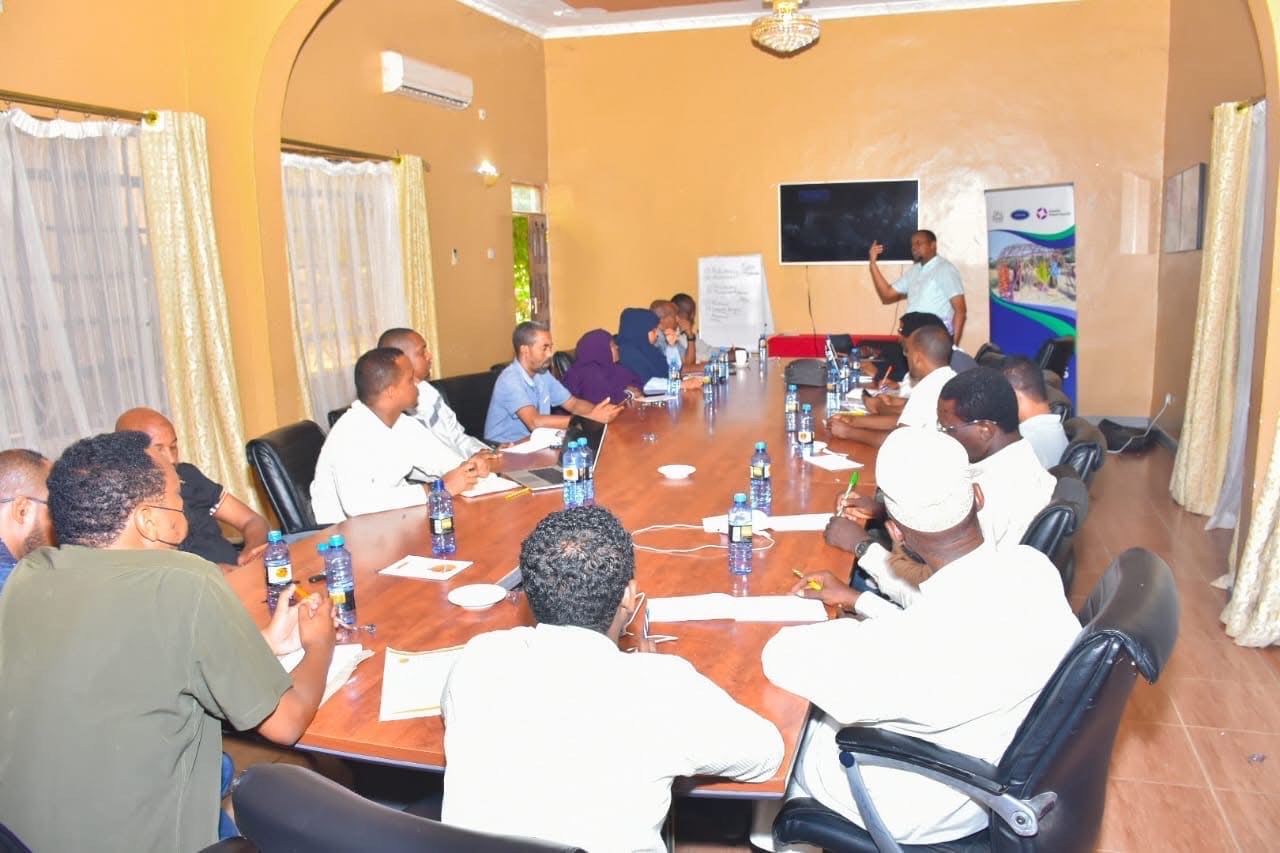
column 558, row 19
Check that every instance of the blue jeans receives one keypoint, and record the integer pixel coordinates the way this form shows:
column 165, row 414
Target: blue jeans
column 226, row 826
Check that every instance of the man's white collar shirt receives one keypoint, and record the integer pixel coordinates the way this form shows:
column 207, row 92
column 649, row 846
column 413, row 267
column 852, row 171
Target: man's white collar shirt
column 960, row 668
column 1047, row 436
column 434, row 413
column 554, row 733
column 364, row 464
column 1015, row 486
column 921, row 409
column 930, row 287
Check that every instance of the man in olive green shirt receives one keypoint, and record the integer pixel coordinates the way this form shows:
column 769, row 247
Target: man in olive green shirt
column 119, row 657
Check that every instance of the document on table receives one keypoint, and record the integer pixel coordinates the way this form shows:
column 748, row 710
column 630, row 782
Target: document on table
column 490, row 484
column 346, row 657
column 832, row 462
column 793, row 523
column 540, row 439
column 425, row 568
column 412, row 682
column 750, row 608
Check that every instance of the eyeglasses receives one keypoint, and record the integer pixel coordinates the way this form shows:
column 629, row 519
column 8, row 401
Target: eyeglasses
column 28, row 497
column 950, row 430
column 167, row 508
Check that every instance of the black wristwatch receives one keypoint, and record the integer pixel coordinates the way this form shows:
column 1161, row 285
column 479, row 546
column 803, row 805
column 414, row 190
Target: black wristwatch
column 860, row 550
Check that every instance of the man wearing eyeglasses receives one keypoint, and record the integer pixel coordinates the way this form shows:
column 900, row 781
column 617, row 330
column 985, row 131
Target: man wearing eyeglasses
column 24, row 511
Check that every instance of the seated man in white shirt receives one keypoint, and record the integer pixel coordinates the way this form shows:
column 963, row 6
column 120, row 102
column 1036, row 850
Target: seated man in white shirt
column 978, row 409
column 960, row 668
column 432, row 411
column 1038, row 425
column 378, row 458
column 553, row 732
column 929, row 361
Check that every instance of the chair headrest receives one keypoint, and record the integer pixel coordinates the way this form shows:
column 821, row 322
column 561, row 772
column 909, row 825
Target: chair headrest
column 1136, row 602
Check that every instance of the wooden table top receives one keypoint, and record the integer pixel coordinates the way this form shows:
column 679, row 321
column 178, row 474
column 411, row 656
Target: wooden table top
column 718, row 438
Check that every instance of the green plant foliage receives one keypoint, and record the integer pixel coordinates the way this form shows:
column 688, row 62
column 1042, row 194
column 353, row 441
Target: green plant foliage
column 520, row 240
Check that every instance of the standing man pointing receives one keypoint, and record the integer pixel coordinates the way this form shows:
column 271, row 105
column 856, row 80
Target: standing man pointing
column 932, row 284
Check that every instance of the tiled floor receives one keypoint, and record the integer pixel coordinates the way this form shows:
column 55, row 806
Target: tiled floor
column 1197, row 762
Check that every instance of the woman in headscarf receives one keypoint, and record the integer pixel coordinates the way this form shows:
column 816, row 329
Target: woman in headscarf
column 595, row 374
column 637, row 333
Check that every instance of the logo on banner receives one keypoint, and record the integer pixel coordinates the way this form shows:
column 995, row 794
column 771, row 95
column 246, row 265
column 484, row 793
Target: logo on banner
column 1041, row 213
column 1020, row 214
column 997, row 216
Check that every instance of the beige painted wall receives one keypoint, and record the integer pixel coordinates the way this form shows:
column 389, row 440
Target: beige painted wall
column 1213, row 57
column 335, row 97
column 667, row 147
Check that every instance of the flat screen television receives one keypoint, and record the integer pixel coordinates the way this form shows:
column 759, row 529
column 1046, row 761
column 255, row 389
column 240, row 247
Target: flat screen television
column 836, row 222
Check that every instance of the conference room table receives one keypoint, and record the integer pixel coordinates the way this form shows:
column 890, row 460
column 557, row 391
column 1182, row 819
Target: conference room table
column 713, row 429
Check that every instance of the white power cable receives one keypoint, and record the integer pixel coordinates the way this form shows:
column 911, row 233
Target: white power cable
column 678, row 551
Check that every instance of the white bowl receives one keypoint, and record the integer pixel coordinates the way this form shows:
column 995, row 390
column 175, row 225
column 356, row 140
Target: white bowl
column 819, row 446
column 676, row 472
column 477, row 596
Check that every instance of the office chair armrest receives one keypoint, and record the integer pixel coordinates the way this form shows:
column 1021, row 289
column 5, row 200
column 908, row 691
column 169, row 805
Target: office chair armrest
column 973, row 777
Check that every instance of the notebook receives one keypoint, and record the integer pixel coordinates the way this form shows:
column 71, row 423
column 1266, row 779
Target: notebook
column 748, row 608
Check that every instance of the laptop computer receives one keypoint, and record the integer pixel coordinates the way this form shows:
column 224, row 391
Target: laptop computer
column 551, row 477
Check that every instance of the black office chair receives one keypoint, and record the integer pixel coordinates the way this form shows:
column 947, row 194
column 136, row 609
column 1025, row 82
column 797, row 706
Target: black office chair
column 285, row 460
column 989, row 355
column 1055, row 354
column 1048, row 791
column 1052, row 531
column 468, row 395
column 561, row 361
column 283, row 807
column 335, row 414
column 1086, row 448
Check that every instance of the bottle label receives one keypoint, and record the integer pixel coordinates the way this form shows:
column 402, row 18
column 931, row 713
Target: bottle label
column 804, row 437
column 570, row 474
column 441, row 526
column 345, row 598
column 792, row 406
column 280, row 574
column 831, row 386
column 760, row 471
column 740, row 533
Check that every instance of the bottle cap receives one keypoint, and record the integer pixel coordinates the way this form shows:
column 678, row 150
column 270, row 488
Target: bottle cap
column 322, row 547
column 274, row 536
column 759, row 445
column 791, row 387
column 740, row 498
column 336, row 541
column 806, row 408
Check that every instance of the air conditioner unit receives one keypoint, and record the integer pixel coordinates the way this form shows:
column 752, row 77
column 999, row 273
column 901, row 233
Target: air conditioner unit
column 425, row 82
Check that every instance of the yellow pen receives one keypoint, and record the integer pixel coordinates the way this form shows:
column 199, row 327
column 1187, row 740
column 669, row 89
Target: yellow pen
column 813, row 584
column 525, row 491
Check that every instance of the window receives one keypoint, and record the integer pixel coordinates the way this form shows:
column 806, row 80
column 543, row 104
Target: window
column 526, row 198
column 82, row 342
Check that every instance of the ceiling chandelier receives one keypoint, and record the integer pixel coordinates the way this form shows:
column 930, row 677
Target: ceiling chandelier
column 786, row 30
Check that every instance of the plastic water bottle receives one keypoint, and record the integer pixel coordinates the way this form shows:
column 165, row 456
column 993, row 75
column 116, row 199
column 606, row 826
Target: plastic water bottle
column 588, row 474
column 762, row 348
column 855, row 369
column 440, row 502
column 846, row 377
column 761, row 479
column 724, row 364
column 833, row 388
column 673, row 375
column 791, row 410
column 804, row 434
column 572, row 471
column 740, row 536
column 341, row 581
column 279, row 568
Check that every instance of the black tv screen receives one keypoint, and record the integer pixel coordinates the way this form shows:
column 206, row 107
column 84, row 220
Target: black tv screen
column 835, row 223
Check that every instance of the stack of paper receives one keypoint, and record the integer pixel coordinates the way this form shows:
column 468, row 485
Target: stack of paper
column 425, row 568
column 346, row 657
column 412, row 682
column 751, row 608
column 490, row 484
column 832, row 462
column 540, row 439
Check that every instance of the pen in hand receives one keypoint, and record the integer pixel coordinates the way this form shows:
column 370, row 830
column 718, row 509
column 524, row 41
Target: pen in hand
column 813, row 584
column 853, row 481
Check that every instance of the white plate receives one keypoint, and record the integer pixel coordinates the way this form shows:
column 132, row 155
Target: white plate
column 819, row 446
column 676, row 472
column 477, row 596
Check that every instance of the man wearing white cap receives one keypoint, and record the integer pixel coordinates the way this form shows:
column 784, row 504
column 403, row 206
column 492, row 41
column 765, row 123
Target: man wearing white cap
column 960, row 668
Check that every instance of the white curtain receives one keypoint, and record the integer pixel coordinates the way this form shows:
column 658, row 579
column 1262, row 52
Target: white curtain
column 345, row 268
column 81, row 338
column 1227, row 512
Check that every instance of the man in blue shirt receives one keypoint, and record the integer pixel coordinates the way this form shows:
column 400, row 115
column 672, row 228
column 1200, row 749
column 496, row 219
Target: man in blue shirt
column 24, row 510
column 526, row 391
